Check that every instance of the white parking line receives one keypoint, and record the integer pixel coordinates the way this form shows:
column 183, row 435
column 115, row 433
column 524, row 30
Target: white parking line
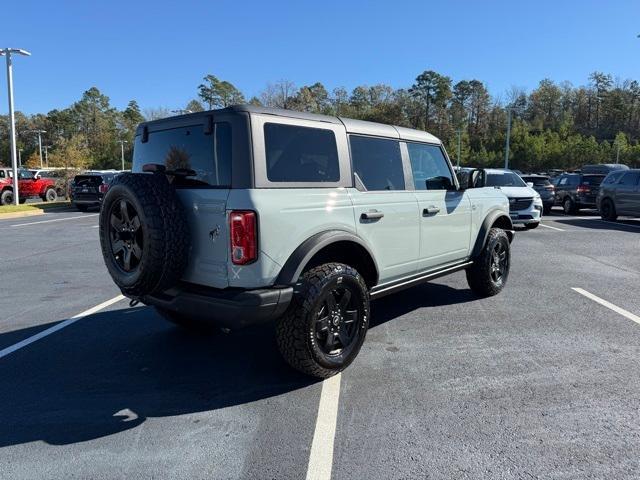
column 321, row 456
column 55, row 220
column 59, row 326
column 552, row 228
column 609, row 305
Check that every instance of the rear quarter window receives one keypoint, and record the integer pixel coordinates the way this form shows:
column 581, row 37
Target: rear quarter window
column 300, row 154
column 208, row 155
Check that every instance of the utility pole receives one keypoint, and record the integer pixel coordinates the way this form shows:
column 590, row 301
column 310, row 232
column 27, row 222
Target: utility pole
column 20, row 158
column 506, row 148
column 459, row 143
column 7, row 52
column 39, row 133
column 46, row 154
column 122, row 142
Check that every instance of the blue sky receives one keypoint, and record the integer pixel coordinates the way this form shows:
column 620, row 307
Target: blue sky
column 157, row 52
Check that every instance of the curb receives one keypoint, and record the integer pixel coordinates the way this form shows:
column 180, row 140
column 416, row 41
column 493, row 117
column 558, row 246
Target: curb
column 27, row 213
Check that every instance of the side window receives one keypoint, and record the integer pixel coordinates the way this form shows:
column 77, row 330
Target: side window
column 300, row 154
column 430, row 167
column 209, row 156
column 1, row 173
column 612, row 178
column 563, row 181
column 377, row 162
column 630, row 178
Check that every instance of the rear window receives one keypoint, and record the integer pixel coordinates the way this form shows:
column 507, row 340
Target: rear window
column 209, row 156
column 537, row 181
column 300, row 154
column 592, row 179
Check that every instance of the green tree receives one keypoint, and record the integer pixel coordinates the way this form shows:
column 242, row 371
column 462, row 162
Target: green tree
column 218, row 93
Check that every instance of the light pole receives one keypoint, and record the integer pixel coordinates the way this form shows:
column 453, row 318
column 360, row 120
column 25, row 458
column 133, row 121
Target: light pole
column 8, row 52
column 459, row 142
column 122, row 142
column 39, row 133
column 46, row 154
column 506, row 148
column 19, row 158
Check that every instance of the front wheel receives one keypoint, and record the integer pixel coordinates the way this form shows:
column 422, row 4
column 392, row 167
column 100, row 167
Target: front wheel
column 608, row 210
column 323, row 329
column 568, row 206
column 490, row 270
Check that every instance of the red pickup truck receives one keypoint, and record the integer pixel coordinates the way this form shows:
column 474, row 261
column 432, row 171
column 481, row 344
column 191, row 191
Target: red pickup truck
column 28, row 186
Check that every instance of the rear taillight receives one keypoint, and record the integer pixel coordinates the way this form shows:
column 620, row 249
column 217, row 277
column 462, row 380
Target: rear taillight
column 244, row 236
column 551, row 188
column 583, row 189
column 103, row 188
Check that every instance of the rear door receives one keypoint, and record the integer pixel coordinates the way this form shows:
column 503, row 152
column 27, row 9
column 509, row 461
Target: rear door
column 207, row 151
column 445, row 212
column 385, row 208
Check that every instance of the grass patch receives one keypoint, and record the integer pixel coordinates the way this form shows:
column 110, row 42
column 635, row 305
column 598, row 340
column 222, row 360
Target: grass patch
column 27, row 207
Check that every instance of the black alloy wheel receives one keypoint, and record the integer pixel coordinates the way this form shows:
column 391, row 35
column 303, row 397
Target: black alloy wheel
column 336, row 322
column 499, row 262
column 125, row 236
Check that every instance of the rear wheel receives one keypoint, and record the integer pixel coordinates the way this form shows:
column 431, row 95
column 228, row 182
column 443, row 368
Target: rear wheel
column 608, row 210
column 50, row 195
column 569, row 206
column 324, row 327
column 490, row 270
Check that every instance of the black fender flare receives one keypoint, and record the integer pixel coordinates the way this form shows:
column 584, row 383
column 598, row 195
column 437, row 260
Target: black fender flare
column 489, row 220
column 294, row 266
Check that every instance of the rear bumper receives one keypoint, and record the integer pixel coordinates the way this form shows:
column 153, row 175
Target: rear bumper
column 229, row 308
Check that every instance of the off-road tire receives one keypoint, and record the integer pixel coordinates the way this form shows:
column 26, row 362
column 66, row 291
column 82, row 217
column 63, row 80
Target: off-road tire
column 82, row 207
column 608, row 210
column 479, row 275
column 50, row 195
column 186, row 322
column 531, row 226
column 295, row 330
column 6, row 197
column 569, row 206
column 165, row 233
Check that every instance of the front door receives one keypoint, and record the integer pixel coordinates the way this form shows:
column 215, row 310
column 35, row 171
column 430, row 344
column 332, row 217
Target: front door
column 445, row 213
column 386, row 214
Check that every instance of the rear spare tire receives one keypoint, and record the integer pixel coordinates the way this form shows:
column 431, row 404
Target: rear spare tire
column 143, row 234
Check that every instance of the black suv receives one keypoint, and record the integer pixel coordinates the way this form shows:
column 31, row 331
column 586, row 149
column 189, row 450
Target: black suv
column 577, row 190
column 87, row 190
column 543, row 186
column 620, row 194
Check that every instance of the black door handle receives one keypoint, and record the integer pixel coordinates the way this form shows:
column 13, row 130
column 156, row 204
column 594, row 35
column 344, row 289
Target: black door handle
column 371, row 215
column 430, row 211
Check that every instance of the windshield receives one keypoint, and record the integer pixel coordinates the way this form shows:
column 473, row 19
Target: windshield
column 506, row 179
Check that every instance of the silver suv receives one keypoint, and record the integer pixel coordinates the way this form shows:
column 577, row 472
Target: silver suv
column 246, row 214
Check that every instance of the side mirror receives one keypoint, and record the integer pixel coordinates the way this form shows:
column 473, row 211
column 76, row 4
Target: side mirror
column 475, row 178
column 438, row 183
column 530, row 184
column 37, row 177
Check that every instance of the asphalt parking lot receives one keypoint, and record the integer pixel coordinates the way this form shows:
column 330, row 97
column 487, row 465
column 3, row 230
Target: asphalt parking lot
column 541, row 381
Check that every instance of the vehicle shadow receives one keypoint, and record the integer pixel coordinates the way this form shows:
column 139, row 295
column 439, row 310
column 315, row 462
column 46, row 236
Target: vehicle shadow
column 596, row 224
column 109, row 372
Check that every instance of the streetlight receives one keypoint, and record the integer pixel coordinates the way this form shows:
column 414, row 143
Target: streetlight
column 8, row 52
column 39, row 133
column 122, row 142
column 506, row 148
column 46, row 154
column 459, row 132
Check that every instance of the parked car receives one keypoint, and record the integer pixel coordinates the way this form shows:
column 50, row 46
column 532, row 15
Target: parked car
column 88, row 189
column 603, row 168
column 525, row 204
column 29, row 186
column 58, row 175
column 300, row 219
column 619, row 194
column 542, row 185
column 577, row 190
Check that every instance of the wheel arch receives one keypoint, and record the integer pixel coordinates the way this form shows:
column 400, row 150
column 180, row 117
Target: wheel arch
column 330, row 246
column 497, row 219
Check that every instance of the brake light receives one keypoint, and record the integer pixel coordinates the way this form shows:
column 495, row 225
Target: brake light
column 551, row 188
column 244, row 239
column 582, row 188
column 103, row 188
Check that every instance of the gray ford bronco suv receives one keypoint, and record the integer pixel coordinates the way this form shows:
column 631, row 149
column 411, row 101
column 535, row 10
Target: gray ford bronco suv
column 246, row 215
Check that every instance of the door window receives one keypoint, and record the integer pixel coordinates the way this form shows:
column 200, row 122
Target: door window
column 630, row 178
column 429, row 167
column 377, row 163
